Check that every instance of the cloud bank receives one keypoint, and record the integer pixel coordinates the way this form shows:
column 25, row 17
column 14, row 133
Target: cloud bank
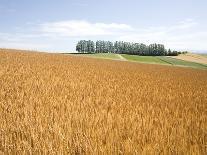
column 184, row 35
column 75, row 28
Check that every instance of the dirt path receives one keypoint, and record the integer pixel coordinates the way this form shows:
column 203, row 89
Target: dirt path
column 121, row 57
column 192, row 57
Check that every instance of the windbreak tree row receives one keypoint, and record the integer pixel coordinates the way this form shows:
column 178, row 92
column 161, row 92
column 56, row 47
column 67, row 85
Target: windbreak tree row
column 121, row 47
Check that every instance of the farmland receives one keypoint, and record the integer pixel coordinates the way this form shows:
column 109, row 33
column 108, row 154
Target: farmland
column 163, row 60
column 193, row 57
column 65, row 104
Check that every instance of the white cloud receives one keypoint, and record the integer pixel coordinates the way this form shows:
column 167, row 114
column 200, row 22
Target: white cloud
column 75, row 28
column 21, row 41
column 185, row 35
column 182, row 25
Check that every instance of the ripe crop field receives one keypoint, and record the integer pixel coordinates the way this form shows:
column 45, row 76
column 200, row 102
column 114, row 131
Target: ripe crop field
column 60, row 104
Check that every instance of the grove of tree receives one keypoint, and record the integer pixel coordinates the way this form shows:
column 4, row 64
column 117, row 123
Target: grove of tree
column 121, row 47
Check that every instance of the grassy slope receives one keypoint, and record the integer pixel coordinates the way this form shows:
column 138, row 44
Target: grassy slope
column 164, row 60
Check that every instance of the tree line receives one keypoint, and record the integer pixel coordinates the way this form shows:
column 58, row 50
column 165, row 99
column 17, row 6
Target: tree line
column 121, row 47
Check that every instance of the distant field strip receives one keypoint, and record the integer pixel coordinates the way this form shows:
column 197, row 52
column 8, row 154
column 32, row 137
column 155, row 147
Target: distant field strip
column 164, row 60
column 102, row 55
column 178, row 62
column 202, row 59
column 205, row 55
column 146, row 59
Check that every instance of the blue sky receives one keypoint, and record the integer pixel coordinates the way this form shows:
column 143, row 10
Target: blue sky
column 56, row 25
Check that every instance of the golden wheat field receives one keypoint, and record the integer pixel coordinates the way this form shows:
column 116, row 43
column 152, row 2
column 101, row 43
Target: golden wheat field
column 61, row 104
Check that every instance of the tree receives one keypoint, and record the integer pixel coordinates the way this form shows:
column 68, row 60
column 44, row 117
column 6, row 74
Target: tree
column 116, row 47
column 169, row 52
column 111, row 47
column 84, row 46
column 90, row 46
column 78, row 47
